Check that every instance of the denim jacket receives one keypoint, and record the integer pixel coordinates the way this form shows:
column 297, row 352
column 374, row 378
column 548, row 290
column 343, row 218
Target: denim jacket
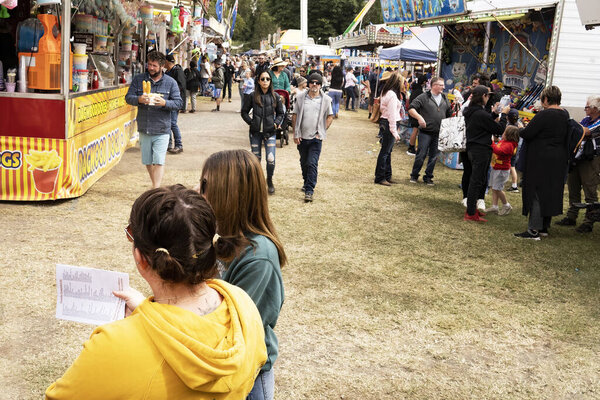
column 155, row 120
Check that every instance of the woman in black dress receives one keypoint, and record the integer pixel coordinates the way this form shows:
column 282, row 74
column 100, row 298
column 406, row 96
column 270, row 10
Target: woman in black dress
column 546, row 163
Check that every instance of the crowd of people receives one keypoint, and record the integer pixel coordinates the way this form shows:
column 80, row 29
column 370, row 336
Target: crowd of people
column 211, row 255
column 497, row 144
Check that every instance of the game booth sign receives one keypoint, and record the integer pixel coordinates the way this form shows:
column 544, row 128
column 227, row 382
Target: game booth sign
column 54, row 144
column 513, row 41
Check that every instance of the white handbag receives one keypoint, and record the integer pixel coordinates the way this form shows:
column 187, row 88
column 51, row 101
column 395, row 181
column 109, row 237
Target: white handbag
column 453, row 136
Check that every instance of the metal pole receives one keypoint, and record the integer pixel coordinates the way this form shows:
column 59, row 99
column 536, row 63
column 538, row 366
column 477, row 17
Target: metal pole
column 65, row 59
column 486, row 46
column 304, row 27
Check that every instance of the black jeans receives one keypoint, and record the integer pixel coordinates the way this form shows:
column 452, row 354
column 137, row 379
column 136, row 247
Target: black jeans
column 226, row 87
column 466, row 177
column 383, row 170
column 350, row 94
column 310, row 151
column 428, row 146
column 480, row 157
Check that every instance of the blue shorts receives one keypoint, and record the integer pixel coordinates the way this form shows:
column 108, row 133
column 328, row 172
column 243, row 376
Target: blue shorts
column 154, row 148
column 217, row 93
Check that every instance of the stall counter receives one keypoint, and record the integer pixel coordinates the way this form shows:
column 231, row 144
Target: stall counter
column 52, row 148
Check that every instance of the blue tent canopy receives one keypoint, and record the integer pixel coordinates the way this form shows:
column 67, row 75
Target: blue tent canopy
column 423, row 47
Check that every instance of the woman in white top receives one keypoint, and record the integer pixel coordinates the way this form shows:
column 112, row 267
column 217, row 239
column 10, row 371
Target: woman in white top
column 350, row 88
column 392, row 112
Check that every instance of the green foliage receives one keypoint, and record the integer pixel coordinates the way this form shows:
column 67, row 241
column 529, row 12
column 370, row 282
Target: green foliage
column 257, row 19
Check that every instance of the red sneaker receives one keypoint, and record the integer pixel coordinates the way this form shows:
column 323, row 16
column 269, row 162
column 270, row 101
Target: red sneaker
column 476, row 217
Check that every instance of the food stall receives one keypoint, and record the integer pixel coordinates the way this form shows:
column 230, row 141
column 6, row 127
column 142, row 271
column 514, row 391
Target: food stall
column 64, row 122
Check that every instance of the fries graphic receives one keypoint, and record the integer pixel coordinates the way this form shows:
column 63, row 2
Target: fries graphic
column 43, row 160
column 147, row 87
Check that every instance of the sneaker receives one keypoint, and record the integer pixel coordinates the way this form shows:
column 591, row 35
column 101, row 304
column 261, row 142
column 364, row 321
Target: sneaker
column 215, row 109
column 528, row 234
column 429, row 182
column 384, row 183
column 411, row 151
column 475, row 217
column 584, row 228
column 393, row 182
column 543, row 232
column 513, row 189
column 492, row 209
column 566, row 221
column 413, row 180
column 308, row 197
column 464, row 202
column 481, row 205
column 192, row 111
column 505, row 210
column 230, row 100
column 175, row 150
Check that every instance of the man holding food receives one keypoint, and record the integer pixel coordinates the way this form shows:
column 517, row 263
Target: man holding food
column 156, row 95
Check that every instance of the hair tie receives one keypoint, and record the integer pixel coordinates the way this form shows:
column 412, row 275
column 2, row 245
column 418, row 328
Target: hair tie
column 215, row 238
column 163, row 250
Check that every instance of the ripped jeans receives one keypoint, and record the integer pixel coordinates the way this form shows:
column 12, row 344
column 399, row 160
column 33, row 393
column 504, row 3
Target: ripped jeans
column 256, row 142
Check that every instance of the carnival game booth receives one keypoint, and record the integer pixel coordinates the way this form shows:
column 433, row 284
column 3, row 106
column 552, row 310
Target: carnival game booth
column 64, row 122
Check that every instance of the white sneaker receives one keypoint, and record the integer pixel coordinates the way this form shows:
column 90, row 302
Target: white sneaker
column 481, row 205
column 492, row 209
column 505, row 209
column 464, row 202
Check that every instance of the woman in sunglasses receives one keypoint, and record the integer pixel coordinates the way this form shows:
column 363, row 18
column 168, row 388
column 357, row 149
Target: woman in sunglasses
column 196, row 337
column 267, row 115
column 233, row 183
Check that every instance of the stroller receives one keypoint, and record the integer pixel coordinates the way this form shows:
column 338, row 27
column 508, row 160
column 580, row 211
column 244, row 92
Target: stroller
column 282, row 134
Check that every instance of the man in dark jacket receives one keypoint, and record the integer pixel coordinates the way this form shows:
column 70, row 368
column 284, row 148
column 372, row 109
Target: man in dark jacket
column 429, row 109
column 154, row 113
column 176, row 72
column 262, row 65
column 228, row 72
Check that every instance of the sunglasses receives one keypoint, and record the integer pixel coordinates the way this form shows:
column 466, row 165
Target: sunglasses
column 128, row 233
column 265, row 79
column 315, row 83
column 587, row 107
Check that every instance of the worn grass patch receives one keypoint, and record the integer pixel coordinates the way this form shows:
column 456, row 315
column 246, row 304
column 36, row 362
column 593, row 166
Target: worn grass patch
column 389, row 294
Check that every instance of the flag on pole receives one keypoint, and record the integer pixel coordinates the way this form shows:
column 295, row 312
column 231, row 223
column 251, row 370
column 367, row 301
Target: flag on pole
column 219, row 10
column 233, row 16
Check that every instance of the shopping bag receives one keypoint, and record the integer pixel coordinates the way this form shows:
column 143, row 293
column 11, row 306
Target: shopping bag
column 452, row 135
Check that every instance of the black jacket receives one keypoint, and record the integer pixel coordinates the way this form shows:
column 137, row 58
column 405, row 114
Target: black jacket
column 229, row 72
column 265, row 117
column 480, row 126
column 177, row 73
column 546, row 161
column 431, row 112
column 192, row 76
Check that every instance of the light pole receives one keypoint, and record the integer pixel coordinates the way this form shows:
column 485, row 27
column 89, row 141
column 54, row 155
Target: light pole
column 304, row 27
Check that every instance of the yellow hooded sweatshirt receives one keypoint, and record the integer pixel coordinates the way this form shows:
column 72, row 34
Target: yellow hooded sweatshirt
column 165, row 352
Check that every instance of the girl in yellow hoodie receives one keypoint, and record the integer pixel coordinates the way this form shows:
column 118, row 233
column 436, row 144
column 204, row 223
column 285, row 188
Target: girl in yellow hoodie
column 196, row 338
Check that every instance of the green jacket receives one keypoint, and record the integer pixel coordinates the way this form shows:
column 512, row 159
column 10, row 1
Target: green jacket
column 281, row 83
column 257, row 271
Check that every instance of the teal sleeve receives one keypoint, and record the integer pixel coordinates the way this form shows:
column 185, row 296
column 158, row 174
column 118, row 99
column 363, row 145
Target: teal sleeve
column 259, row 278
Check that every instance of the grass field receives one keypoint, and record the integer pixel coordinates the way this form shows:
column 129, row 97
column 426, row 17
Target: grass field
column 389, row 294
